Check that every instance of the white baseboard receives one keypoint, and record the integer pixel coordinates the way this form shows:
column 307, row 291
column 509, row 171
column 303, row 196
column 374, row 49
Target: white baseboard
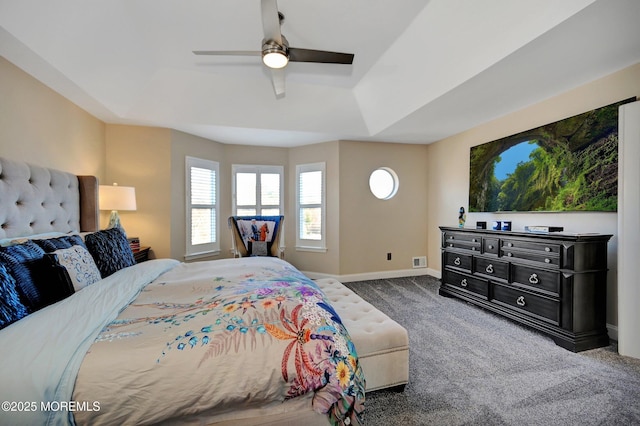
column 612, row 330
column 375, row 275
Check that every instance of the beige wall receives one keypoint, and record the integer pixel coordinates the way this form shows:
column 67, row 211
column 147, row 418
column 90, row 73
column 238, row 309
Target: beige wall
column 39, row 126
column 370, row 228
column 141, row 157
column 448, row 170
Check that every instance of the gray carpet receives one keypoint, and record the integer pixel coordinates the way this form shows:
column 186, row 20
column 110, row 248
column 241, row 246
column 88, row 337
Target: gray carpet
column 471, row 367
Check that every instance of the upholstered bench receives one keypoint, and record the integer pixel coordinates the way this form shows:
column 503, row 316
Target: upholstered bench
column 382, row 343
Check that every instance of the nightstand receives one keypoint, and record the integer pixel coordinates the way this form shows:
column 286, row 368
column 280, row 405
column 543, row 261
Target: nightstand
column 142, row 254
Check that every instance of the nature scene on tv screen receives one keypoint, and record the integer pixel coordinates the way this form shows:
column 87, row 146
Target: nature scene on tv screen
column 569, row 165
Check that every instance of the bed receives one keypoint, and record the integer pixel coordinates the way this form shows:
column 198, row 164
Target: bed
column 90, row 337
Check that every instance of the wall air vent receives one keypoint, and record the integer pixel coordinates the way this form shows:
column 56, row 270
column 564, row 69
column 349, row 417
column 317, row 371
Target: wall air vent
column 420, row 262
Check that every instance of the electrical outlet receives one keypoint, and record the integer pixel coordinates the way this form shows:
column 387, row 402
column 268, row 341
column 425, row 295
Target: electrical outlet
column 420, row 262
column 388, row 256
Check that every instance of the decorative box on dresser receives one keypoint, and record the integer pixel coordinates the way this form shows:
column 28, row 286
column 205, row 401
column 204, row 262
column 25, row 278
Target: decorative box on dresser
column 555, row 283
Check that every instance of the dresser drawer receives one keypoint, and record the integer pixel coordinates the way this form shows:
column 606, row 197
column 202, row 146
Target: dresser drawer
column 469, row 284
column 548, row 248
column 458, row 260
column 460, row 236
column 492, row 268
column 549, row 259
column 540, row 307
column 490, row 246
column 462, row 241
column 538, row 279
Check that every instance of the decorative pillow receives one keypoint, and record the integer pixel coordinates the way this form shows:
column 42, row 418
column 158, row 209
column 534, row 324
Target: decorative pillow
column 51, row 279
column 79, row 264
column 50, row 245
column 110, row 250
column 16, row 259
column 11, row 308
column 258, row 233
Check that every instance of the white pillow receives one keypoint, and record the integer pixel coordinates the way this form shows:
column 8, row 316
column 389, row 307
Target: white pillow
column 80, row 265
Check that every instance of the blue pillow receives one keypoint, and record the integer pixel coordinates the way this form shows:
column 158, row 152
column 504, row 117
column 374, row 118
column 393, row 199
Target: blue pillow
column 16, row 259
column 49, row 245
column 110, row 250
column 11, row 308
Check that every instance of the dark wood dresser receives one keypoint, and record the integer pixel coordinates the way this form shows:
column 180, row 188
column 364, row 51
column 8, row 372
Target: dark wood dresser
column 555, row 283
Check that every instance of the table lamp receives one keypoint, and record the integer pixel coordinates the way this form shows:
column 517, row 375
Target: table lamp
column 114, row 198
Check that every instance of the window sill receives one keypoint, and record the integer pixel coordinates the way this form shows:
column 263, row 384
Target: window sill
column 201, row 255
column 312, row 249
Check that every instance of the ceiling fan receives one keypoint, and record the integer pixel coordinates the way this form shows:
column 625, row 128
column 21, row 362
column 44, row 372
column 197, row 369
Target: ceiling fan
column 276, row 53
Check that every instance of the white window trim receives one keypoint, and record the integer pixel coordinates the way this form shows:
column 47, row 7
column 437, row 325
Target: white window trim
column 304, row 244
column 201, row 250
column 258, row 169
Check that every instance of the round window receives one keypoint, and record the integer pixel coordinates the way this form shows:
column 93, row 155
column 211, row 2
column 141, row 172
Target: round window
column 383, row 183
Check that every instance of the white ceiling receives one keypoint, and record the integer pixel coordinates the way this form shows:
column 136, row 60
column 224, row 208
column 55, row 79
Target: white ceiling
column 423, row 69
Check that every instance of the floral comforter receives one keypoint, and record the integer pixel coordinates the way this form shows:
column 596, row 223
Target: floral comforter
column 210, row 338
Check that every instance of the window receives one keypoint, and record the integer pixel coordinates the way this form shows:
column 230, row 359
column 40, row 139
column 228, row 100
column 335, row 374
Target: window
column 383, row 183
column 310, row 205
column 202, row 207
column 257, row 190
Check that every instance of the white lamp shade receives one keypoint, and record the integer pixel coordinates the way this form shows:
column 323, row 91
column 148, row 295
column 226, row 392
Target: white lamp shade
column 114, row 197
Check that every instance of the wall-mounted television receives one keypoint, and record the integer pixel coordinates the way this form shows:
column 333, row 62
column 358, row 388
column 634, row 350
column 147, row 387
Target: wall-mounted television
column 568, row 165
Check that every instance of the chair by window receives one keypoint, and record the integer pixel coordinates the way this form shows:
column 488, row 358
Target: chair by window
column 256, row 235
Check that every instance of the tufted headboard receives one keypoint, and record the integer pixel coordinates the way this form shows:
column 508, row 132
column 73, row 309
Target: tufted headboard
column 36, row 200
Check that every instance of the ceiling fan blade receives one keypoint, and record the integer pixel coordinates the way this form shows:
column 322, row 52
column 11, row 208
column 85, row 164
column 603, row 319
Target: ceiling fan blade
column 228, row 52
column 277, row 78
column 271, row 21
column 323, row 56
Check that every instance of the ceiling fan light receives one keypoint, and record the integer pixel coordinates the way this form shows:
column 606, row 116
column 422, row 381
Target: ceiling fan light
column 274, row 55
column 275, row 59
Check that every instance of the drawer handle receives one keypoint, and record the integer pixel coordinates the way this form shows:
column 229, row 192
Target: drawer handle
column 547, row 249
column 450, row 244
column 457, row 261
column 533, row 279
column 520, row 301
column 510, row 245
column 547, row 261
column 473, row 249
column 451, row 237
column 464, row 283
column 489, row 269
column 509, row 254
column 474, row 240
column 490, row 247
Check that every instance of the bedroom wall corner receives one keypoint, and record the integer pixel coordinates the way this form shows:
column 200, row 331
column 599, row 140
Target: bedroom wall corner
column 140, row 156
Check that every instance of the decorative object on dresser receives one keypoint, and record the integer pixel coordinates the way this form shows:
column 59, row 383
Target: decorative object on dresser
column 543, row 229
column 554, row 283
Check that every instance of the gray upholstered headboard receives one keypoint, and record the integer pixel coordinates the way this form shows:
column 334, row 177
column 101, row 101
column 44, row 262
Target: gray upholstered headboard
column 36, row 200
